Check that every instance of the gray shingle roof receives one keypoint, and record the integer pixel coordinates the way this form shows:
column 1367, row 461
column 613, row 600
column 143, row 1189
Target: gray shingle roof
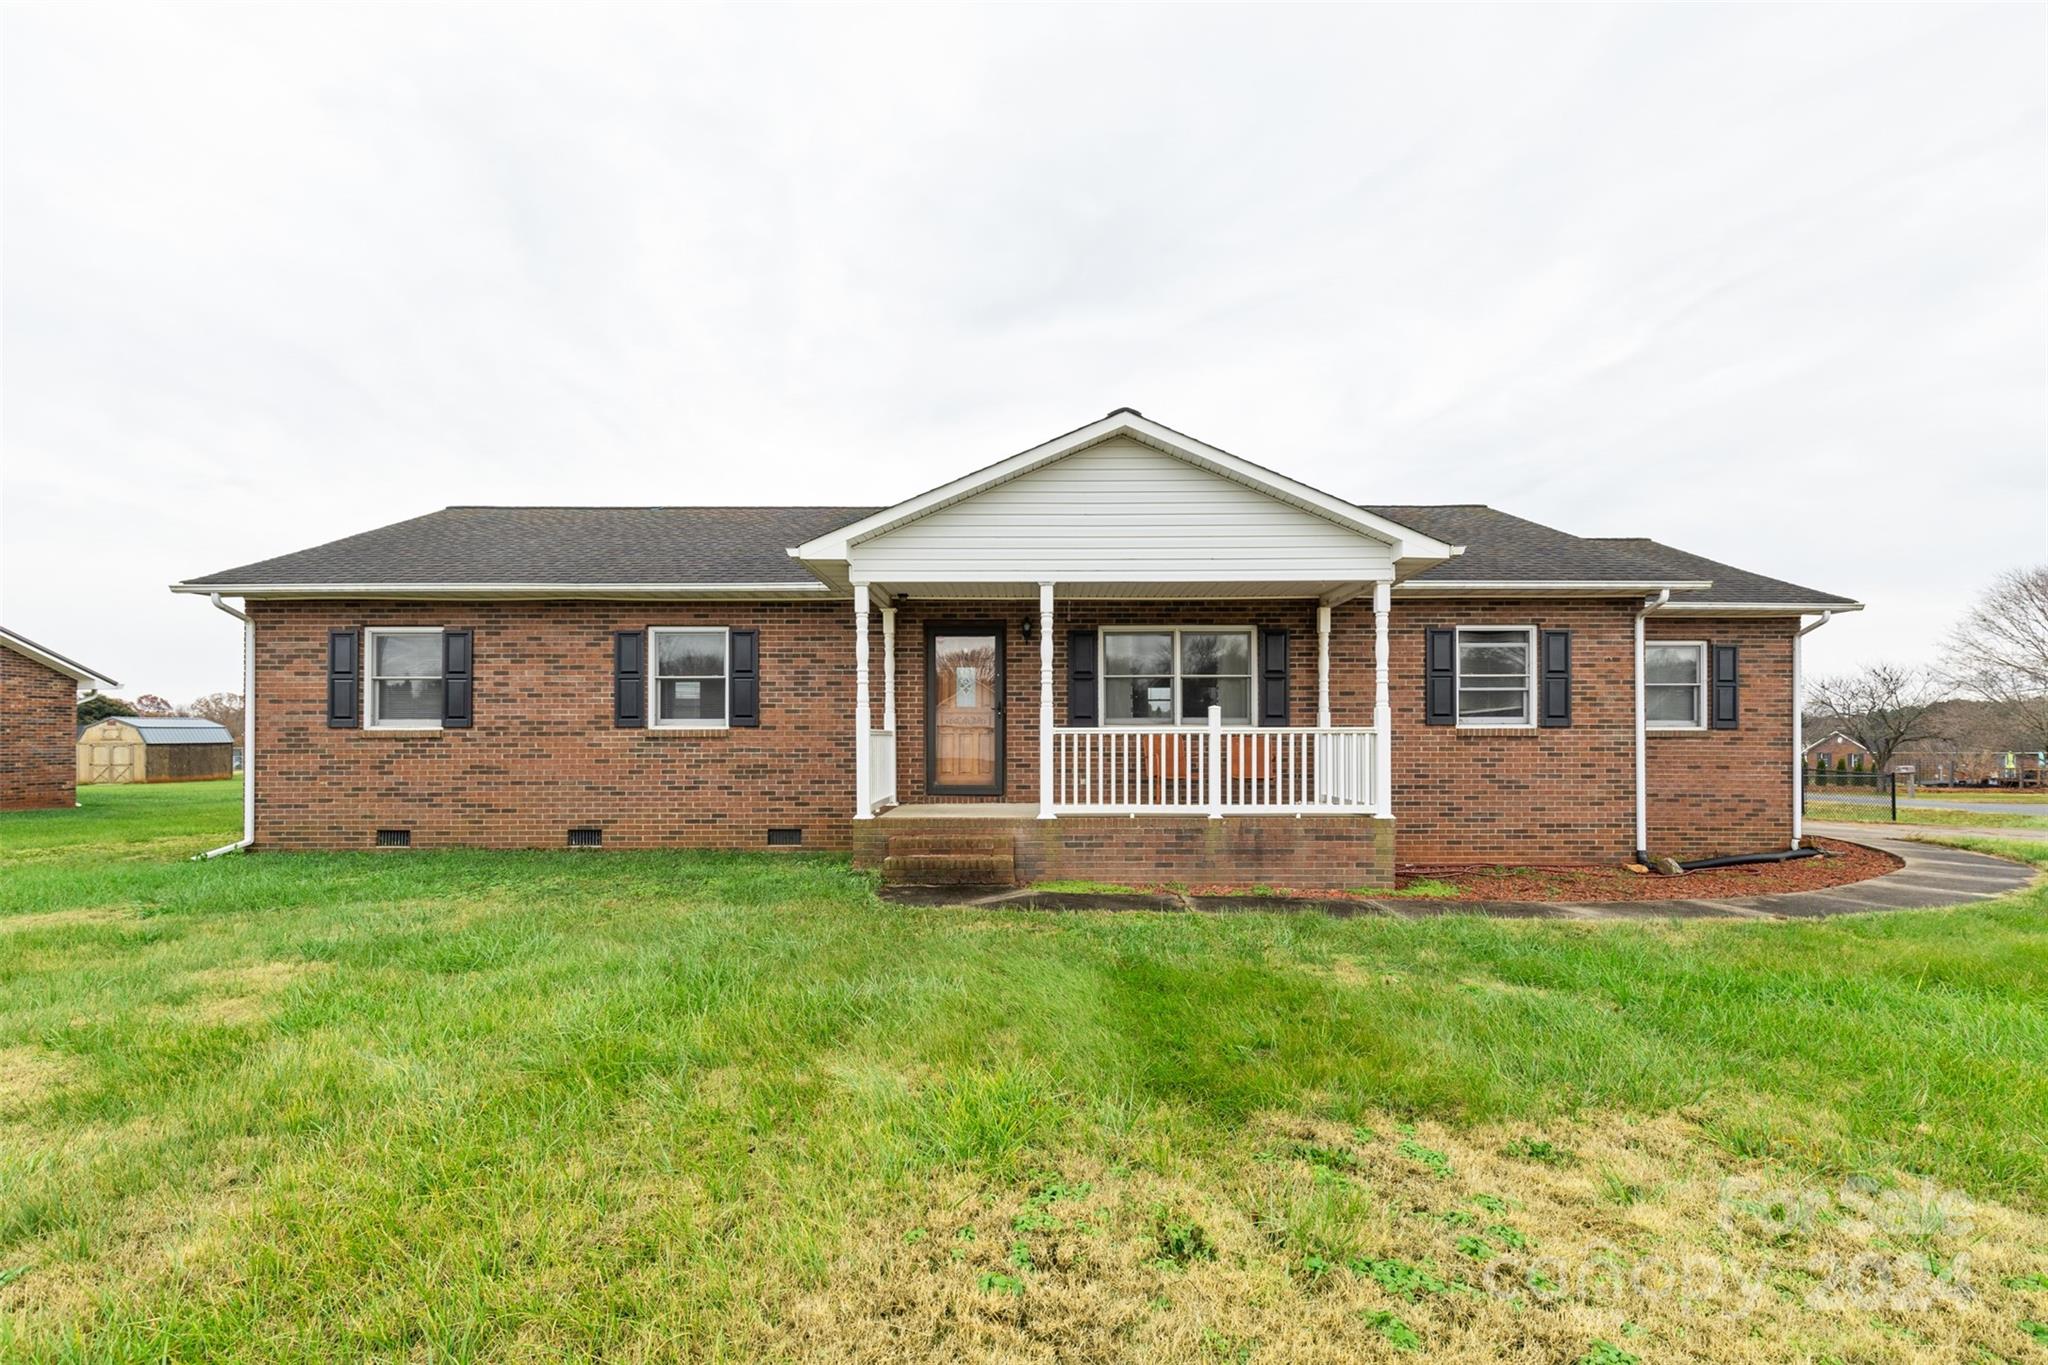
column 173, row 729
column 1500, row 548
column 1730, row 583
column 571, row 545
column 653, row 546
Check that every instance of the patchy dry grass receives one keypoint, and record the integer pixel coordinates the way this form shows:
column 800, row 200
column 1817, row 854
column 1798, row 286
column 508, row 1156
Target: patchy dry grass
column 28, row 1075
column 531, row 1107
column 1313, row 1241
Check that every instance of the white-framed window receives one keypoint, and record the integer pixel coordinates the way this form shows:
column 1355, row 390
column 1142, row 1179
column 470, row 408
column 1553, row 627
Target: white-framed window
column 1172, row 675
column 692, row 666
column 403, row 680
column 1496, row 672
column 1675, row 685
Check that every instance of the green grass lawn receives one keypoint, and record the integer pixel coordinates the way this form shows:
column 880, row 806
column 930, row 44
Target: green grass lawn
column 1818, row 807
column 1990, row 796
column 647, row 1106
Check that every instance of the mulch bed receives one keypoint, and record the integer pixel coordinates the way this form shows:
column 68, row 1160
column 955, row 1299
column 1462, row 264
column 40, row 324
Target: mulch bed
column 1841, row 863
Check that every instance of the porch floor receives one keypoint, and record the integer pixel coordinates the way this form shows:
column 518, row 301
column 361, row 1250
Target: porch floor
column 964, row 810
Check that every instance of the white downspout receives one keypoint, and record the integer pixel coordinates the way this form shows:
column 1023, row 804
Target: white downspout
column 1799, row 726
column 1642, row 795
column 248, row 733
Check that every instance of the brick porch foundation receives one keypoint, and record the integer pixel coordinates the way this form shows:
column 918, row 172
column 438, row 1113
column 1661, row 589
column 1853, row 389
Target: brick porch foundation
column 1309, row 852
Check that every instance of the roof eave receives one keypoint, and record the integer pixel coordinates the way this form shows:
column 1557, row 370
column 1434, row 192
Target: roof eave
column 70, row 668
column 1683, row 608
column 1564, row 587
column 553, row 591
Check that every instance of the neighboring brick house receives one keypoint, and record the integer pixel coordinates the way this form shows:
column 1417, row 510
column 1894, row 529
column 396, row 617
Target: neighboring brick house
column 1837, row 748
column 38, row 719
column 1123, row 654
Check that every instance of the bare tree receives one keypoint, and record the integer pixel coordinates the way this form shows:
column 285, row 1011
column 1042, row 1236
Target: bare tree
column 1882, row 707
column 150, row 704
column 222, row 708
column 2000, row 650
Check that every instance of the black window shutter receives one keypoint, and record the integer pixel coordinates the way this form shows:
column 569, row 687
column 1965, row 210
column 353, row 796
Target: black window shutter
column 1273, row 677
column 629, row 679
column 1084, row 705
column 1727, row 688
column 457, row 686
column 1556, row 710
column 1440, row 676
column 745, row 705
column 344, row 679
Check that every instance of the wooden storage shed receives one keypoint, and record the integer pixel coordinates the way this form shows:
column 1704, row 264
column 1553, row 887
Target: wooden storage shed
column 154, row 749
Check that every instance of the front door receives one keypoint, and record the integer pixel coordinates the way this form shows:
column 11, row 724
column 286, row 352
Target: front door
column 964, row 709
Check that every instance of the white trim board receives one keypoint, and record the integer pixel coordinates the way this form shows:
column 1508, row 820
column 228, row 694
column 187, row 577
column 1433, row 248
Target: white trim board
column 1531, row 587
column 1677, row 608
column 468, row 591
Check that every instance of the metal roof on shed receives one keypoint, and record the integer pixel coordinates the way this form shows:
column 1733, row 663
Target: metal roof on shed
column 174, row 729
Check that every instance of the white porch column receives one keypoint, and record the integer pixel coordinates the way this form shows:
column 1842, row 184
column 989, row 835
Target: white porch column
column 1382, row 710
column 1323, row 667
column 1045, row 738
column 889, row 669
column 863, row 809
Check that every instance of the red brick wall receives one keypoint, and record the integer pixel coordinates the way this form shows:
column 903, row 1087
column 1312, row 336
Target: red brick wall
column 543, row 754
column 1714, row 792
column 38, row 734
column 1491, row 795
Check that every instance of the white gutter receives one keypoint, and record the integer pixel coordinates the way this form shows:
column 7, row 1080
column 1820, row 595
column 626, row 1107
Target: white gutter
column 1758, row 608
column 248, row 734
column 1642, row 799
column 1545, row 587
column 1799, row 726
column 492, row 590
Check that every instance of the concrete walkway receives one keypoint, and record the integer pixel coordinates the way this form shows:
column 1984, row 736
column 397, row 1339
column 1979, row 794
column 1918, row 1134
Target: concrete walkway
column 1932, row 877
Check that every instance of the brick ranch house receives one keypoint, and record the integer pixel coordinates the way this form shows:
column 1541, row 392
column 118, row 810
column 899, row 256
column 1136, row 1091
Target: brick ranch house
column 1123, row 654
column 38, row 720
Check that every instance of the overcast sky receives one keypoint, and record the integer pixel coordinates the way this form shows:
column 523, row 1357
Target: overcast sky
column 1764, row 283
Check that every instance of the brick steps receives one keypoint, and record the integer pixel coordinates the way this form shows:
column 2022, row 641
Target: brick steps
column 950, row 860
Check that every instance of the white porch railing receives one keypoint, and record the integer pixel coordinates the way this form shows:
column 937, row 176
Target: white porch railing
column 1214, row 771
column 881, row 769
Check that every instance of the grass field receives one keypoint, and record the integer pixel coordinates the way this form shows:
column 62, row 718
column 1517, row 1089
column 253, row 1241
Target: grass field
column 1990, row 796
column 449, row 1106
column 1818, row 807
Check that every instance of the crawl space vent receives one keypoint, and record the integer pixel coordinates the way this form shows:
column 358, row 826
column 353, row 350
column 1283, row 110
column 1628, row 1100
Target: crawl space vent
column 586, row 838
column 394, row 838
column 784, row 838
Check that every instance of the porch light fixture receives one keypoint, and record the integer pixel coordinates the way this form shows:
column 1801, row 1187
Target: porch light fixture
column 1030, row 630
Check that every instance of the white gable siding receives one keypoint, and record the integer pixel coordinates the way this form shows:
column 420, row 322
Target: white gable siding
column 1119, row 511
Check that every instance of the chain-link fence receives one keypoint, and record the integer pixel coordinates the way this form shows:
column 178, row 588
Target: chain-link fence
column 1838, row 795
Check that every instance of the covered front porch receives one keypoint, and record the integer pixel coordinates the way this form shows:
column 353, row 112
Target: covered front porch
column 1126, row 703
column 1129, row 634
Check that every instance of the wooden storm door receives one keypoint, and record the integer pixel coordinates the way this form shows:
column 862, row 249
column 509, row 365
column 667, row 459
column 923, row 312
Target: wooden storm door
column 963, row 709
